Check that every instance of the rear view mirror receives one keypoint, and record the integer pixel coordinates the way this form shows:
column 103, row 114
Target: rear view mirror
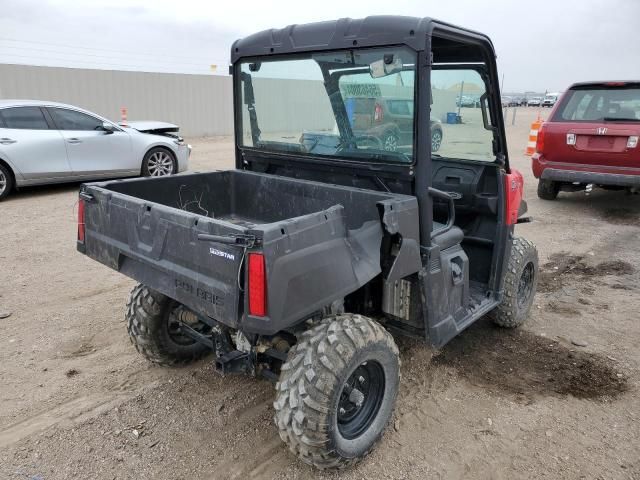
column 389, row 65
column 108, row 127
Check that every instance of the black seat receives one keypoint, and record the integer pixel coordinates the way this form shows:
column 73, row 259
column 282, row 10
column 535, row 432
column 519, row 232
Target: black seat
column 448, row 238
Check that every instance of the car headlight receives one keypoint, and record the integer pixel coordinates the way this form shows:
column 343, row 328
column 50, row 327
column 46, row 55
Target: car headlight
column 179, row 141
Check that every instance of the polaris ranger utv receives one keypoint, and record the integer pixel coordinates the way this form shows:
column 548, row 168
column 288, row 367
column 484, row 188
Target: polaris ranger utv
column 299, row 264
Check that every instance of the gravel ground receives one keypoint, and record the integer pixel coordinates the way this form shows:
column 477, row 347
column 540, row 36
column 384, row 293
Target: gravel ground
column 556, row 399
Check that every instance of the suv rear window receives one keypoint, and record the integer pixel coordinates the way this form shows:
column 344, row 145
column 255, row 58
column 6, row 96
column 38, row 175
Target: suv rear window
column 600, row 103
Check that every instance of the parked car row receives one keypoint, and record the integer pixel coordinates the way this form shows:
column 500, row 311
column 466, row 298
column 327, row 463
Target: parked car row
column 507, row 101
column 548, row 100
column 590, row 138
column 513, row 101
column 468, row 101
column 47, row 142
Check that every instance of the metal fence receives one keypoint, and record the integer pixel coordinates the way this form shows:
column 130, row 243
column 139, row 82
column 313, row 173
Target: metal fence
column 200, row 104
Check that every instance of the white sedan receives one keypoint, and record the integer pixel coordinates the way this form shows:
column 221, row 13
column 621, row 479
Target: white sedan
column 46, row 142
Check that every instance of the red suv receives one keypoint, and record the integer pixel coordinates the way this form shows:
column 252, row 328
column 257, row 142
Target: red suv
column 591, row 137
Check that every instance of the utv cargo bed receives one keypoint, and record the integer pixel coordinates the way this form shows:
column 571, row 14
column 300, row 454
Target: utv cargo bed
column 188, row 236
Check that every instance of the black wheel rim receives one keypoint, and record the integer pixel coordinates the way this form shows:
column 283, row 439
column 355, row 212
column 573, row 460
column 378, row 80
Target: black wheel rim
column 360, row 399
column 525, row 285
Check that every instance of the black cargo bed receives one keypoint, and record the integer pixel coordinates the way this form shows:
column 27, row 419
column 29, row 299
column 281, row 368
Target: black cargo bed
column 320, row 242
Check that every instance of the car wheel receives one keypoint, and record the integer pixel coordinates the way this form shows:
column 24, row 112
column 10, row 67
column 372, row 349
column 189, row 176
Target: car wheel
column 548, row 189
column 390, row 142
column 436, row 140
column 158, row 162
column 6, row 182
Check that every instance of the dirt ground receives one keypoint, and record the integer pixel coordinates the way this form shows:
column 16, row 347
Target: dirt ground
column 556, row 399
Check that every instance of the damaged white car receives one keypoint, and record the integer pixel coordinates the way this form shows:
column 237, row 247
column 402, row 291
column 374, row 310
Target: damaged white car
column 46, row 142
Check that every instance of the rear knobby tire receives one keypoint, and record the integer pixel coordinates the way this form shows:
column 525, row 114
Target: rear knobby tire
column 148, row 318
column 548, row 189
column 311, row 397
column 520, row 283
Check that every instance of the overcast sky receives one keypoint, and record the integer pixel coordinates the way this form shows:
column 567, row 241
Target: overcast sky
column 541, row 45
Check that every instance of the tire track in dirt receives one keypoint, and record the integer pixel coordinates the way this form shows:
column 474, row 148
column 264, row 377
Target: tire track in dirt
column 564, row 268
column 528, row 366
column 72, row 412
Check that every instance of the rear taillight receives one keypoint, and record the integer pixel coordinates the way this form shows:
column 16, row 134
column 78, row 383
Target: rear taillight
column 81, row 220
column 378, row 115
column 540, row 139
column 257, row 285
column 514, row 189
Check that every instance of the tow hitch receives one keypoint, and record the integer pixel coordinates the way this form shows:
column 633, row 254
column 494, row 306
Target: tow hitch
column 230, row 360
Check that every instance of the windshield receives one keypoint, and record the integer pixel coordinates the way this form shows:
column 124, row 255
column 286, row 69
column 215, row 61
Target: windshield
column 356, row 104
column 596, row 103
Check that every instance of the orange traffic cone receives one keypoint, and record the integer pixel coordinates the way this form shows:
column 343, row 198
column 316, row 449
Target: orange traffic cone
column 533, row 137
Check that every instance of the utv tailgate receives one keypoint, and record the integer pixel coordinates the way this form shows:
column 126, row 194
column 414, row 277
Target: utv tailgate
column 158, row 246
column 187, row 236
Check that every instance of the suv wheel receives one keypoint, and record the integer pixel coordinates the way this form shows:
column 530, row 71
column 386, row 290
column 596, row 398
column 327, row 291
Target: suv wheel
column 158, row 162
column 6, row 182
column 337, row 391
column 548, row 189
column 390, row 142
column 520, row 284
column 436, row 140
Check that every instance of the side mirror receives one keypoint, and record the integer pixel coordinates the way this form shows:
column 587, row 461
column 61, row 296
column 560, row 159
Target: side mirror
column 108, row 127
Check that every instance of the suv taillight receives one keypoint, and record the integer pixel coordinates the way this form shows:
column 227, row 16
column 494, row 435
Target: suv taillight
column 81, row 221
column 540, row 140
column 378, row 115
column 257, row 285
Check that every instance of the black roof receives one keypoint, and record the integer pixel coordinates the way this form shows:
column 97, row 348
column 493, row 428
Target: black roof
column 343, row 33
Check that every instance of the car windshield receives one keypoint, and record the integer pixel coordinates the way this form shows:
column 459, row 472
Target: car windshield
column 601, row 103
column 355, row 105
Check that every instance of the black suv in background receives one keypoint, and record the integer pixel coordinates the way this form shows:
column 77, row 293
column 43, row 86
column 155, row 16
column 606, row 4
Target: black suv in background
column 389, row 120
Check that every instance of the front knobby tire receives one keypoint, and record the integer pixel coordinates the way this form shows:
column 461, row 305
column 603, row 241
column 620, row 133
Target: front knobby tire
column 153, row 330
column 520, row 284
column 337, row 391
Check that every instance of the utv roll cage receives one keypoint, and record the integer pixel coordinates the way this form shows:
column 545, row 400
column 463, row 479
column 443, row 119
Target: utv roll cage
column 435, row 42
